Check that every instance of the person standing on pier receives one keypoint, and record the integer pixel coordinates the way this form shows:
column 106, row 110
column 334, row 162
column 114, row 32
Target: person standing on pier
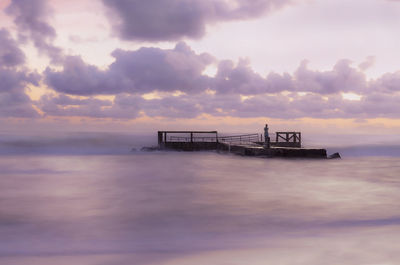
column 266, row 136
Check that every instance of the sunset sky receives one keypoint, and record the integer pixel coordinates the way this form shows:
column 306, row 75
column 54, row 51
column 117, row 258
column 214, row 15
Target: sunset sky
column 230, row 65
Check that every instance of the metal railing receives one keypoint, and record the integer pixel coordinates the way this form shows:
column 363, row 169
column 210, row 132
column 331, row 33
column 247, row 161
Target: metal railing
column 240, row 139
column 230, row 139
column 288, row 137
column 193, row 139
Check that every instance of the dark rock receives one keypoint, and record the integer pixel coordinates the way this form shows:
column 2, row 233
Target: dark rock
column 334, row 156
column 149, row 149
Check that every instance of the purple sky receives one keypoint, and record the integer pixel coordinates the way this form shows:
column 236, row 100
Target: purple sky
column 155, row 62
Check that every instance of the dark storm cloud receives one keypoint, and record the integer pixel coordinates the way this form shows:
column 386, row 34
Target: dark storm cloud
column 10, row 54
column 141, row 71
column 160, row 20
column 30, row 17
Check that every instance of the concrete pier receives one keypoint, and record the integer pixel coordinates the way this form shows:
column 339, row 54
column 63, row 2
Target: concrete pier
column 287, row 144
column 274, row 151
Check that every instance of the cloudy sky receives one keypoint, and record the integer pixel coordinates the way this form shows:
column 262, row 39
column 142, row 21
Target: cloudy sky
column 313, row 65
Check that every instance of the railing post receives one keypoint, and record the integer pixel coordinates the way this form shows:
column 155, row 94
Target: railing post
column 300, row 138
column 159, row 138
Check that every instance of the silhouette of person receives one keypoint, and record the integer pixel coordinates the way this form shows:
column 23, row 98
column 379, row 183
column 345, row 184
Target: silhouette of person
column 266, row 136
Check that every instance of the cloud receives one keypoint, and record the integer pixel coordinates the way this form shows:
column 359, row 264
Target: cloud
column 13, row 100
column 388, row 83
column 11, row 79
column 283, row 106
column 160, row 20
column 378, row 105
column 241, row 79
column 62, row 105
column 30, row 17
column 142, row 71
column 342, row 78
column 181, row 69
column 16, row 104
column 369, row 62
column 10, row 54
column 236, row 90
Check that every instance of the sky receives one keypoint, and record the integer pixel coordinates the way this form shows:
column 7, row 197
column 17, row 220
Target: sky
column 319, row 66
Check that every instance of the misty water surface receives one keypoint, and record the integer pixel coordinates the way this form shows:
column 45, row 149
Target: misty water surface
column 198, row 208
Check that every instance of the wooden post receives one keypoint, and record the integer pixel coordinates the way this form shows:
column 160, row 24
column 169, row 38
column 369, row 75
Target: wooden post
column 165, row 137
column 300, row 138
column 159, row 138
column 191, row 137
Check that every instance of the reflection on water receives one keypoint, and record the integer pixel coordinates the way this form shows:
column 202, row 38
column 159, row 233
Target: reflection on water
column 198, row 208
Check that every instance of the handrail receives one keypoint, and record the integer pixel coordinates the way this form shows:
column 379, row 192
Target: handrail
column 244, row 138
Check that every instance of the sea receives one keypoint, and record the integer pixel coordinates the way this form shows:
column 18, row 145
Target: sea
column 96, row 199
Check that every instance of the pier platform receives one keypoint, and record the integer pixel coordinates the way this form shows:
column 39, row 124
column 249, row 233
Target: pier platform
column 250, row 150
column 247, row 144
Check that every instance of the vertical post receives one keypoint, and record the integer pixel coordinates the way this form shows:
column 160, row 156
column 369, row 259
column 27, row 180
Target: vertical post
column 300, row 138
column 191, row 137
column 165, row 137
column 159, row 138
column 216, row 141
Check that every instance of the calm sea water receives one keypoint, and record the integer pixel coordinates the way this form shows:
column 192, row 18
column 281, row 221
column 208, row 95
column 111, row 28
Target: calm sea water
column 61, row 204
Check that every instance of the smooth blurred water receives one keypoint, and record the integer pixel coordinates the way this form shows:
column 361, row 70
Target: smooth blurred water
column 198, row 208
